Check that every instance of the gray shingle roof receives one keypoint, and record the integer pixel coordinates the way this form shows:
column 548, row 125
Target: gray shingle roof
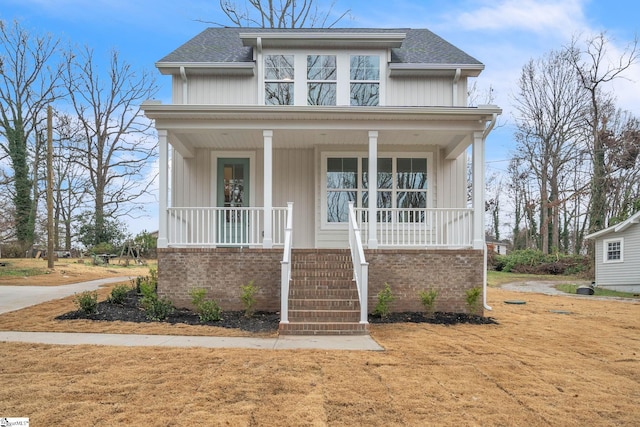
column 421, row 46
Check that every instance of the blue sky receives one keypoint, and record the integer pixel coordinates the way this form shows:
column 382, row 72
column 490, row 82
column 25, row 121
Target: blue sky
column 503, row 34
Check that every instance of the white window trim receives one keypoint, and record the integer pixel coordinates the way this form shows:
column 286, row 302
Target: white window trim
column 326, row 225
column 215, row 155
column 343, row 76
column 605, row 251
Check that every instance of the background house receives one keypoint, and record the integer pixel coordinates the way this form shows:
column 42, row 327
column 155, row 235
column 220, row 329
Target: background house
column 267, row 157
column 617, row 255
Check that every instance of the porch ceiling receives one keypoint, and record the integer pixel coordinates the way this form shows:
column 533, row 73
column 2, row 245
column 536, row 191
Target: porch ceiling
column 241, row 127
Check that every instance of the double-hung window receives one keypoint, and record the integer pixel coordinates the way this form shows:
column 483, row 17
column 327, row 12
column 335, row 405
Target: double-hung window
column 278, row 79
column 402, row 187
column 613, row 250
column 365, row 80
column 321, row 80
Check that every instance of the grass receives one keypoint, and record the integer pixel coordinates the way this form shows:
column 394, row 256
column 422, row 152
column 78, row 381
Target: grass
column 514, row 373
column 498, row 278
column 11, row 270
column 571, row 289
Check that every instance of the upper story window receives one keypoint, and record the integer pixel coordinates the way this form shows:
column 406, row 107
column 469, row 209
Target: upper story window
column 279, row 79
column 365, row 80
column 321, row 80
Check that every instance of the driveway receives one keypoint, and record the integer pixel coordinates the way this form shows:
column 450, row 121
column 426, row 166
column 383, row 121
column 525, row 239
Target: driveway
column 17, row 297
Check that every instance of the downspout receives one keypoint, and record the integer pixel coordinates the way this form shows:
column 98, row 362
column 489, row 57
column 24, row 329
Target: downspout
column 454, row 93
column 484, row 271
column 185, row 86
column 258, row 59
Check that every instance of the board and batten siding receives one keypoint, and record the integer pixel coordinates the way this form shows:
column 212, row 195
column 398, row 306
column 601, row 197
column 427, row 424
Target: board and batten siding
column 620, row 275
column 421, row 92
column 293, row 181
column 190, row 180
column 451, row 182
column 216, row 90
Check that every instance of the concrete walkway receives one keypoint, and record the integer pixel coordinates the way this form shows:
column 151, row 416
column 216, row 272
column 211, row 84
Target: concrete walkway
column 355, row 342
column 14, row 298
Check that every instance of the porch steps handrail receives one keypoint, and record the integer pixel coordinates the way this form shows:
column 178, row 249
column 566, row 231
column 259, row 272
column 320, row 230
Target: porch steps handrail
column 285, row 266
column 222, row 226
column 360, row 265
column 420, row 227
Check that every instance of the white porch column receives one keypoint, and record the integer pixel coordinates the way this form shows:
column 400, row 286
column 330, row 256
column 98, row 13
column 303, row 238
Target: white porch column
column 267, row 241
column 373, row 189
column 478, row 190
column 163, row 160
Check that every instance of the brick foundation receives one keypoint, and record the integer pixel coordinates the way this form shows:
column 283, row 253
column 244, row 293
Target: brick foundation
column 221, row 271
column 451, row 272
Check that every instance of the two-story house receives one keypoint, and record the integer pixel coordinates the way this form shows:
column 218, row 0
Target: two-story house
column 322, row 164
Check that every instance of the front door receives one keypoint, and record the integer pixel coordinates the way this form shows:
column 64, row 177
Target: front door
column 233, row 192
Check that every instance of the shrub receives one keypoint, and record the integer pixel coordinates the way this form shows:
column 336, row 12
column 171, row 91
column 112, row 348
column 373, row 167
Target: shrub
column 385, row 297
column 428, row 300
column 532, row 261
column 208, row 310
column 118, row 294
column 472, row 299
column 87, row 301
column 248, row 297
column 156, row 308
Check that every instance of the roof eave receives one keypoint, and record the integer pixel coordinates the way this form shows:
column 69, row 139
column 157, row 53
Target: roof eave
column 207, row 68
column 434, row 70
column 323, row 39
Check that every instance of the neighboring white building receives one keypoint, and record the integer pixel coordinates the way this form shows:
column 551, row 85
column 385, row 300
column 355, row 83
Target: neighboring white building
column 261, row 118
column 617, row 255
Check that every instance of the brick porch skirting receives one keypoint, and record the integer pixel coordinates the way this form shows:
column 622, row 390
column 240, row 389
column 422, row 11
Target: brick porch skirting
column 221, row 271
column 408, row 271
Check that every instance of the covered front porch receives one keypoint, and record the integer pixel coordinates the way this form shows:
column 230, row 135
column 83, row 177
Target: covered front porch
column 255, row 184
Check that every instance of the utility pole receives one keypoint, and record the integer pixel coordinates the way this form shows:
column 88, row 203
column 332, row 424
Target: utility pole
column 50, row 236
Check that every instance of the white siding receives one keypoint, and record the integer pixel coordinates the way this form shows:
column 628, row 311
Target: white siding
column 624, row 273
column 451, row 182
column 293, row 182
column 190, row 184
column 420, row 91
column 216, row 90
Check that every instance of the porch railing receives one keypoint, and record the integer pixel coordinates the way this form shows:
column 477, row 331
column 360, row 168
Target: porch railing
column 360, row 265
column 425, row 227
column 211, row 226
column 285, row 266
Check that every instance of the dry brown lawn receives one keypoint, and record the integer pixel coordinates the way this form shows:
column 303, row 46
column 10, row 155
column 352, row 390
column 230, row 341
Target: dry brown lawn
column 67, row 271
column 536, row 368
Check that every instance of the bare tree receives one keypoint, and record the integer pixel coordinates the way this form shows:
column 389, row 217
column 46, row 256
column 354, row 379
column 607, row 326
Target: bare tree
column 28, row 84
column 280, row 13
column 595, row 68
column 116, row 146
column 551, row 107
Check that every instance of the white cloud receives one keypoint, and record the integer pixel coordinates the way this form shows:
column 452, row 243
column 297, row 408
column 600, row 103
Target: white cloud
column 538, row 16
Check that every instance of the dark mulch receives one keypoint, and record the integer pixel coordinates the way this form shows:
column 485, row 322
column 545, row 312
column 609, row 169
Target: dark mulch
column 438, row 318
column 130, row 311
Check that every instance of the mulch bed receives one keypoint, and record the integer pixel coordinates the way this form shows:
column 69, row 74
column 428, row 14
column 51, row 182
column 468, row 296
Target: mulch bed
column 130, row 311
